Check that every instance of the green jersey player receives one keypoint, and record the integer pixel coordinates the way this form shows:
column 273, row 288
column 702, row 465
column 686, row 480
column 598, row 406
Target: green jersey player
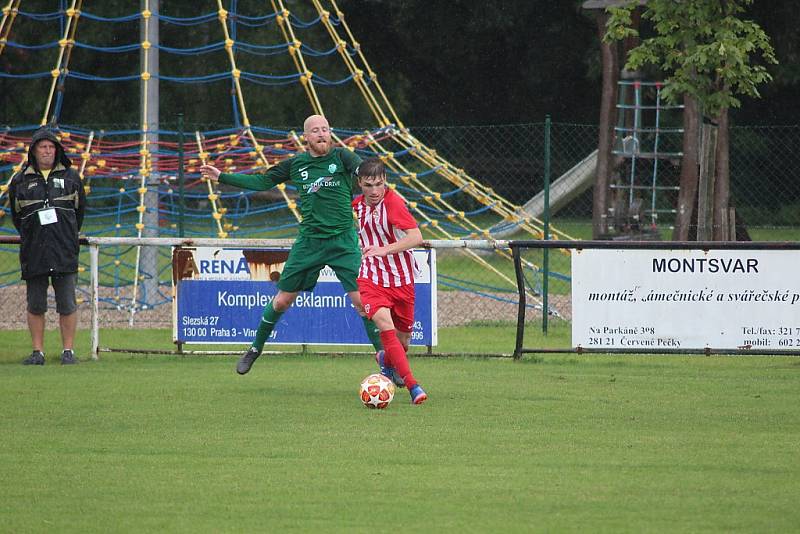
column 324, row 177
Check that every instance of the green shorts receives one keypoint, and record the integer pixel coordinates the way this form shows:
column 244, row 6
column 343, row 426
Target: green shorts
column 309, row 255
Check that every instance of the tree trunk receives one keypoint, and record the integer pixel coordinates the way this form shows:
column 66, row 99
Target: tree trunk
column 707, row 180
column 605, row 143
column 722, row 185
column 687, row 196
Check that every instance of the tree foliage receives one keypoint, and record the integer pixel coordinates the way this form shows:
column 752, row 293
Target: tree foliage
column 703, row 47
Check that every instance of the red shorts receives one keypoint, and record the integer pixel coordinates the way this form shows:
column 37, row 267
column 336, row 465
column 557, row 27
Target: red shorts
column 399, row 300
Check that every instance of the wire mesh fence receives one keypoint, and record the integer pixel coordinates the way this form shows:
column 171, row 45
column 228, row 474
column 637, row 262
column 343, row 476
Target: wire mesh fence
column 474, row 286
column 511, row 160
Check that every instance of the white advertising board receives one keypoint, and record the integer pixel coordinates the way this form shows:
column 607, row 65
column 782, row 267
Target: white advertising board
column 686, row 299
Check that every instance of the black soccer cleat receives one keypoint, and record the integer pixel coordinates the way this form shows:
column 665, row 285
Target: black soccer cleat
column 68, row 357
column 246, row 361
column 36, row 358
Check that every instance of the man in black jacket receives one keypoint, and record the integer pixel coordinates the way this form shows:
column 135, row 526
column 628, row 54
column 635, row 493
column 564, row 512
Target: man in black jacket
column 47, row 204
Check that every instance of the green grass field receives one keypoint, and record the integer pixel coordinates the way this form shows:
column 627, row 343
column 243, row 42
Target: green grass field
column 557, row 443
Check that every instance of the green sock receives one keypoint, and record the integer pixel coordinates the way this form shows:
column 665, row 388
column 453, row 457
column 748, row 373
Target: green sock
column 373, row 334
column 268, row 322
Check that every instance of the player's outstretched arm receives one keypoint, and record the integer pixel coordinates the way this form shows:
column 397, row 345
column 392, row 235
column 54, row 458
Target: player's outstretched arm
column 413, row 238
column 210, row 172
column 255, row 182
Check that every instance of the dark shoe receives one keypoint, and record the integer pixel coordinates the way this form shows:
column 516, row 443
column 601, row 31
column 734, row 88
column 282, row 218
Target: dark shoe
column 68, row 357
column 36, row 358
column 246, row 361
column 418, row 395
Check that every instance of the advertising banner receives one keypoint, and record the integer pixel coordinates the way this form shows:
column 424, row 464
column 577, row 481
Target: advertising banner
column 685, row 299
column 220, row 295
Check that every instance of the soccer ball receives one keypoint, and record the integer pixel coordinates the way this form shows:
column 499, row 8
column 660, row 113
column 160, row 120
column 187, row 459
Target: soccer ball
column 377, row 391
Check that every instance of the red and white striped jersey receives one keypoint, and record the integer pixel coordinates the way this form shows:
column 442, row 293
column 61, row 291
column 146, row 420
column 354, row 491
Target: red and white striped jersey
column 382, row 225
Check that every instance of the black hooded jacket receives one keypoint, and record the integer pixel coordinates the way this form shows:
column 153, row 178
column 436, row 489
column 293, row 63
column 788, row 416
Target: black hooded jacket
column 47, row 248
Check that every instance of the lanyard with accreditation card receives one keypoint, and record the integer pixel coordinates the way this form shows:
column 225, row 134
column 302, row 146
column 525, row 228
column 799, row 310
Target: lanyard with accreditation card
column 47, row 216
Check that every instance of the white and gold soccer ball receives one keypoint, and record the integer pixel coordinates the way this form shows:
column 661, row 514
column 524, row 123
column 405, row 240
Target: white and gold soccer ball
column 377, row 391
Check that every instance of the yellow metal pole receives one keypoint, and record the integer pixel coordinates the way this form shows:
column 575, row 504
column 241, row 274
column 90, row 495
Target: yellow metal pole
column 65, row 43
column 9, row 14
column 145, row 161
column 236, row 74
column 212, row 196
column 295, row 51
column 86, row 155
column 358, row 74
column 222, row 15
column 374, row 77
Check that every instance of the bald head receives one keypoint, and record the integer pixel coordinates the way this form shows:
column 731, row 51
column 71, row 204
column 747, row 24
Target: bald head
column 314, row 120
column 318, row 135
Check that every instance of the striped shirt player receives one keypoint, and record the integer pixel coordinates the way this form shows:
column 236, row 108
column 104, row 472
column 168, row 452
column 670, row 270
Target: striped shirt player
column 387, row 232
column 381, row 225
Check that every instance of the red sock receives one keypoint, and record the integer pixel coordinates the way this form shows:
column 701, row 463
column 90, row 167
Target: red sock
column 395, row 356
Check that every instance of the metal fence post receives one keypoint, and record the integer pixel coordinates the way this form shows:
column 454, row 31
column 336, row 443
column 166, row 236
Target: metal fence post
column 516, row 254
column 546, row 226
column 94, row 262
column 181, row 196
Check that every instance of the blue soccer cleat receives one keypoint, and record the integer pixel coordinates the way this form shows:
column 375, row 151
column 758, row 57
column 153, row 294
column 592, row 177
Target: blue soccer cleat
column 418, row 395
column 389, row 372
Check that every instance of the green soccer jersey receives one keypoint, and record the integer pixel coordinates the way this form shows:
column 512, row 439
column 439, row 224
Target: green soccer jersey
column 325, row 185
